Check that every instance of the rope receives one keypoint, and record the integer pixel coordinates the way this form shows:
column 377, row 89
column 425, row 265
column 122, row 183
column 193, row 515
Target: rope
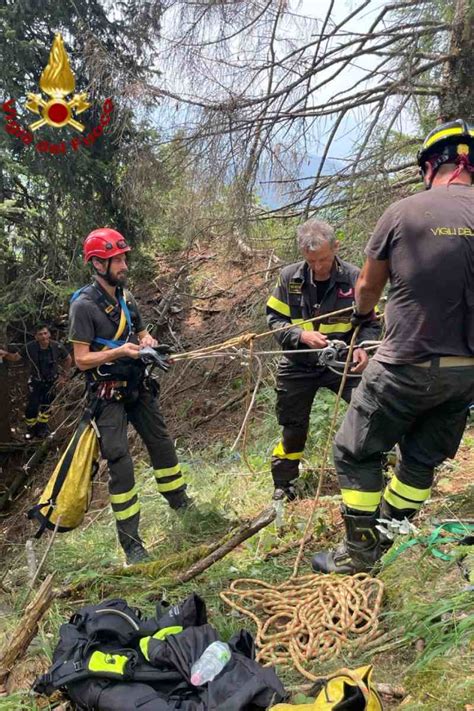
column 247, row 338
column 310, row 617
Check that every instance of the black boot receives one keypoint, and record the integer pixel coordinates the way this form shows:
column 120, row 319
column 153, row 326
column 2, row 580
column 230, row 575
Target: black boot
column 285, row 491
column 135, row 553
column 178, row 500
column 131, row 542
column 358, row 552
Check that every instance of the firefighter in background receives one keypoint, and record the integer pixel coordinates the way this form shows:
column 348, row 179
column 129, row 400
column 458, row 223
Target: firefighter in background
column 318, row 285
column 50, row 364
column 107, row 333
column 417, row 389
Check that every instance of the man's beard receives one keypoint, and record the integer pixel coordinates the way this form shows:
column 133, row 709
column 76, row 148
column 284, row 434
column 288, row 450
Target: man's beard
column 119, row 280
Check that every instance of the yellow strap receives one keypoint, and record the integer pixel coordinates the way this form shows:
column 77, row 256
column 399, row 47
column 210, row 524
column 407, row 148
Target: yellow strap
column 120, row 328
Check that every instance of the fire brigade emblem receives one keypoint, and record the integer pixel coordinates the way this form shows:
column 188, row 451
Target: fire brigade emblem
column 57, row 81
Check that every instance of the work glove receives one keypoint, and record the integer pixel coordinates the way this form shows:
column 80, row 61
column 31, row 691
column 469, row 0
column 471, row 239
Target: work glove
column 153, row 356
column 164, row 349
column 358, row 319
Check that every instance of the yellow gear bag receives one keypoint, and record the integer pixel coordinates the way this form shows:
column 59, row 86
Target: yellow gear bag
column 347, row 690
column 67, row 495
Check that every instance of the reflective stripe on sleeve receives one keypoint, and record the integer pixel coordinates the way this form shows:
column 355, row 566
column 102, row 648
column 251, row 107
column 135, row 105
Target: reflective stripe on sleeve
column 305, row 325
column 278, row 306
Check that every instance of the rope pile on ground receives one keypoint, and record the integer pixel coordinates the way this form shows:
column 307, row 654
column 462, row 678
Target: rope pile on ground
column 313, row 617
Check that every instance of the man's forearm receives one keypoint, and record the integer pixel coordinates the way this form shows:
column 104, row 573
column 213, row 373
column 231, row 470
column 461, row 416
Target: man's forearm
column 93, row 359
column 370, row 284
column 367, row 298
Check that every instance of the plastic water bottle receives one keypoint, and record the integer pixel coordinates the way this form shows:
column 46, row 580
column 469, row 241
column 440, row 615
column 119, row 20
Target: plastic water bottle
column 211, row 662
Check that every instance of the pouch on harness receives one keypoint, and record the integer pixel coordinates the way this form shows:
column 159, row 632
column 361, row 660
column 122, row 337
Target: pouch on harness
column 67, row 494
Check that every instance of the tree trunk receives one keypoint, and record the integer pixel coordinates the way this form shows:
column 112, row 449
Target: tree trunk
column 457, row 94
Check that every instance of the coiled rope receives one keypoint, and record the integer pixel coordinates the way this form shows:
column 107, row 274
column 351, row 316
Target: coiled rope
column 313, row 617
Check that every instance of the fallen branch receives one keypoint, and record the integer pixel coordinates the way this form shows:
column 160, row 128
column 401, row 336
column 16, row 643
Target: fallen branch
column 27, row 628
column 286, row 547
column 252, row 527
column 225, row 406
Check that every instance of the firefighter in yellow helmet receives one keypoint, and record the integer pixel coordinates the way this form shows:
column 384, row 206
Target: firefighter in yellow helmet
column 417, row 389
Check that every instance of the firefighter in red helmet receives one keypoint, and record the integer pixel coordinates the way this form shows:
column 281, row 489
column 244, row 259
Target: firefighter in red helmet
column 107, row 333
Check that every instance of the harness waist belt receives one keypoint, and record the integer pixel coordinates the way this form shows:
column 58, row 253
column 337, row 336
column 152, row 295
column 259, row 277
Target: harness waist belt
column 446, row 362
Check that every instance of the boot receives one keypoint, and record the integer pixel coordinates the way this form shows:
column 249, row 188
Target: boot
column 178, row 500
column 42, row 430
column 358, row 552
column 135, row 553
column 131, row 542
column 284, row 491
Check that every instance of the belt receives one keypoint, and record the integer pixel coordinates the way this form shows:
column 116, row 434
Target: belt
column 446, row 362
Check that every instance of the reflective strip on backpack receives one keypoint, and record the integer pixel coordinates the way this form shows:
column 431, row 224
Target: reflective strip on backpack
column 159, row 635
column 106, row 663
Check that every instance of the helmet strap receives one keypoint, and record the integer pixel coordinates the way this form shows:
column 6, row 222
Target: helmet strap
column 105, row 276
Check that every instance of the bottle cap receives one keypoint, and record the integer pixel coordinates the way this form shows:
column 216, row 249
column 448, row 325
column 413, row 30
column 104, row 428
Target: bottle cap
column 196, row 679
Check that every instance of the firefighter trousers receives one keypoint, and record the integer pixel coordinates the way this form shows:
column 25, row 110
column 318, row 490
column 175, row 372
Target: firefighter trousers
column 423, row 409
column 40, row 396
column 144, row 414
column 296, row 390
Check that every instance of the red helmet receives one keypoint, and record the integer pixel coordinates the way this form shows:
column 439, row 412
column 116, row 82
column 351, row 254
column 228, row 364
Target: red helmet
column 104, row 243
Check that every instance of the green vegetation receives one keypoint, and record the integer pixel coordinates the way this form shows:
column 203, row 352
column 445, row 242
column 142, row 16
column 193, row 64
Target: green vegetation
column 423, row 599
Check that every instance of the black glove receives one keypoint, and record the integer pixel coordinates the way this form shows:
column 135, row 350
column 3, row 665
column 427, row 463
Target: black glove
column 164, row 349
column 151, row 355
column 358, row 319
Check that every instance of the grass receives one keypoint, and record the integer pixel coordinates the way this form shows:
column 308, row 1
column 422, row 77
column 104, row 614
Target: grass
column 424, row 598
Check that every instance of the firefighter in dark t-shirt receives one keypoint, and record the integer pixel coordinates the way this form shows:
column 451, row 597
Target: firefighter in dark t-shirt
column 417, row 389
column 107, row 332
column 46, row 358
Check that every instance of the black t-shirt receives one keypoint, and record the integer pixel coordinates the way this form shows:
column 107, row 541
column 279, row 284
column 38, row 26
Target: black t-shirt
column 428, row 240
column 88, row 320
column 44, row 362
column 317, row 292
